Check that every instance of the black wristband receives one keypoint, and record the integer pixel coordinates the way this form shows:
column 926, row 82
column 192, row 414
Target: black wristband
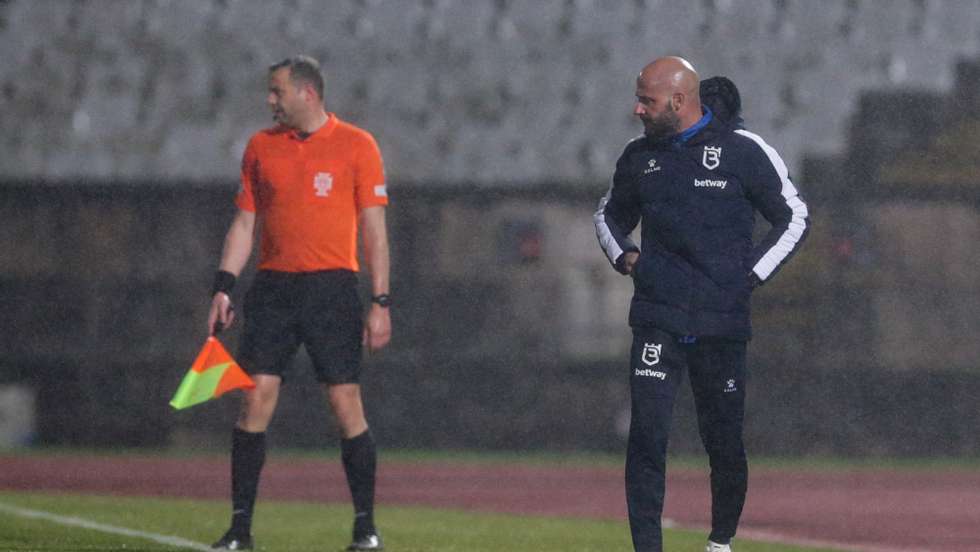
column 224, row 282
column 383, row 300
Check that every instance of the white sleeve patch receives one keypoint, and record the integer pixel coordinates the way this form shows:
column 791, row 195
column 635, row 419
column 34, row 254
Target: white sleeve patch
column 381, row 191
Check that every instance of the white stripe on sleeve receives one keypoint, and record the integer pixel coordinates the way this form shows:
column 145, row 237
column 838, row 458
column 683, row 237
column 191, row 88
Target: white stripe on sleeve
column 784, row 246
column 602, row 232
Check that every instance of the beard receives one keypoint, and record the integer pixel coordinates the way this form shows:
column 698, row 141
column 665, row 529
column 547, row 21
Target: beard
column 280, row 117
column 662, row 126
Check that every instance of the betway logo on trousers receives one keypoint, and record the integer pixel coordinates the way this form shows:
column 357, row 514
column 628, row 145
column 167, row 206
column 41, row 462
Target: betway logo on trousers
column 651, row 373
column 706, row 183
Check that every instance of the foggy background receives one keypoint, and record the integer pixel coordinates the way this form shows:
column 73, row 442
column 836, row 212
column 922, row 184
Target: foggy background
column 500, row 122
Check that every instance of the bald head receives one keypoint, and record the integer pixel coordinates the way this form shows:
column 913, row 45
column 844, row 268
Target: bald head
column 667, row 99
column 672, row 73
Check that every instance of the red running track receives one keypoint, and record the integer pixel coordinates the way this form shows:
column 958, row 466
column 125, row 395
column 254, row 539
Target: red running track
column 862, row 510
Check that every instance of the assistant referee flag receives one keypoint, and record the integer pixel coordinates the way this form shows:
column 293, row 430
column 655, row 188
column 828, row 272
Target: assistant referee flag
column 213, row 374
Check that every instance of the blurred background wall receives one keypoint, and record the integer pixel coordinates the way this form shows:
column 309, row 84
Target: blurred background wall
column 500, row 122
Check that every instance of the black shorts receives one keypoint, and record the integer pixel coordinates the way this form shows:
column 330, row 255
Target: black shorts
column 320, row 310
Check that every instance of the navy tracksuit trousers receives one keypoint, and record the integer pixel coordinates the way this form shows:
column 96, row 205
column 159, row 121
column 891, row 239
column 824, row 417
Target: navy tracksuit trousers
column 716, row 368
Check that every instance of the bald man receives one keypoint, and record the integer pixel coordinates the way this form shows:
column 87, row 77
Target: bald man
column 695, row 179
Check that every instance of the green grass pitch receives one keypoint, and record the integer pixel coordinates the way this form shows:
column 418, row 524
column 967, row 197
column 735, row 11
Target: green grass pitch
column 301, row 527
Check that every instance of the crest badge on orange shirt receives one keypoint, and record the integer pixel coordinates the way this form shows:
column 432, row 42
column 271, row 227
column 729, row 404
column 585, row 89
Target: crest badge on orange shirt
column 322, row 183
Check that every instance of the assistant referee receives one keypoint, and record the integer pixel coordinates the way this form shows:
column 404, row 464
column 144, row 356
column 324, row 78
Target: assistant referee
column 307, row 185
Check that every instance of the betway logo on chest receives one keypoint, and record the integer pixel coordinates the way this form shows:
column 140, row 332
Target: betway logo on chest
column 706, row 183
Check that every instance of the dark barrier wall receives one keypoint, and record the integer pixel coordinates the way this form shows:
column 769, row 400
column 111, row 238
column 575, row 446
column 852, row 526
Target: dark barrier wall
column 104, row 294
column 101, row 290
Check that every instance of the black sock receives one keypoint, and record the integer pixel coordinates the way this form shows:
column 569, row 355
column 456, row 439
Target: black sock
column 247, row 458
column 360, row 462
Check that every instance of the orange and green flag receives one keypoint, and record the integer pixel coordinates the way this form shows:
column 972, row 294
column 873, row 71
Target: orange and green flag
column 213, row 374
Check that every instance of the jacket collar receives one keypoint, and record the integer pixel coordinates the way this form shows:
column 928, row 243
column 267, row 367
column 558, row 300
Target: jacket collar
column 689, row 132
column 706, row 127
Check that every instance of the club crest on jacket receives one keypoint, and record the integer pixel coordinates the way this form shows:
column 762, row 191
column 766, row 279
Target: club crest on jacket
column 711, row 157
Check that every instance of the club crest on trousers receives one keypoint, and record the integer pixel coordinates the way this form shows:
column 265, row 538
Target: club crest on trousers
column 651, row 354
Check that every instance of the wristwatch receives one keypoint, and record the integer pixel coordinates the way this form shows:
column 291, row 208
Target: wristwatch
column 383, row 300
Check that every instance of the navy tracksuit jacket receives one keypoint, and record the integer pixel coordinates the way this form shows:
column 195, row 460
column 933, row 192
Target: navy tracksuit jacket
column 697, row 201
column 696, row 195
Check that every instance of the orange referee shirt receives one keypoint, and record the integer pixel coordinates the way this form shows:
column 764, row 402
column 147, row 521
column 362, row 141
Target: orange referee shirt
column 308, row 193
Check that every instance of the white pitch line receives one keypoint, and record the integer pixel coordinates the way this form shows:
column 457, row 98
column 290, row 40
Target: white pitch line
column 96, row 526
